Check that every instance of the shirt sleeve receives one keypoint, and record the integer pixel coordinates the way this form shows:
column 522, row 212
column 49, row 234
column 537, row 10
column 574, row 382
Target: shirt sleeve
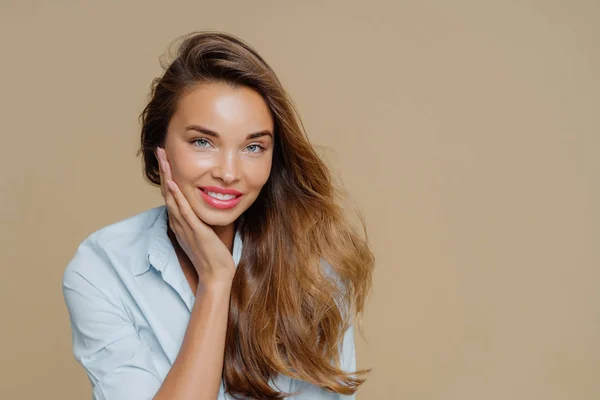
column 347, row 363
column 105, row 341
column 348, row 357
column 346, row 350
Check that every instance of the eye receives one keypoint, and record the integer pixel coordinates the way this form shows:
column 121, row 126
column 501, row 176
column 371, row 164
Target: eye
column 255, row 148
column 202, row 142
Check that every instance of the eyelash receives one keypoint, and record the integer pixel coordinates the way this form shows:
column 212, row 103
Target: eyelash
column 262, row 148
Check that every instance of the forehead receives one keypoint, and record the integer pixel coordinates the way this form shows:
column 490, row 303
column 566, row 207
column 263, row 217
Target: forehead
column 223, row 108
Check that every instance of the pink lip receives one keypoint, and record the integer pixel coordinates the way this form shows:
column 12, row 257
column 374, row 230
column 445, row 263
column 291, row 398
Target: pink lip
column 222, row 204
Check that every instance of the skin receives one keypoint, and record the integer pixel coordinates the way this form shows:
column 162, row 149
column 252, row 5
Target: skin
column 198, row 159
column 203, row 235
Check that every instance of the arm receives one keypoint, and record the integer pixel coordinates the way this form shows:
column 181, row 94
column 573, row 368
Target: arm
column 116, row 360
column 196, row 372
column 106, row 343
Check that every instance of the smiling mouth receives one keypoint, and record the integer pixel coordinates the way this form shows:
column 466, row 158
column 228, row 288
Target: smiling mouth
column 220, row 196
column 220, row 200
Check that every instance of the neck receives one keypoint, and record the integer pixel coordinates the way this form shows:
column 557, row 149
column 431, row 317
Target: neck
column 226, row 234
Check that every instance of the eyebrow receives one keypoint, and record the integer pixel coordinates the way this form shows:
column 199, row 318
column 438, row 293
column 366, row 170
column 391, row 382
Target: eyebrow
column 208, row 132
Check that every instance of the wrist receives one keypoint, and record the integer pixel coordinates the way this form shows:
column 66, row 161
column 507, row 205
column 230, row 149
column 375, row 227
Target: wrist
column 220, row 288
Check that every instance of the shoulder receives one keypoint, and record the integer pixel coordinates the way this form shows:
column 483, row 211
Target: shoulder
column 332, row 274
column 342, row 299
column 121, row 243
column 131, row 227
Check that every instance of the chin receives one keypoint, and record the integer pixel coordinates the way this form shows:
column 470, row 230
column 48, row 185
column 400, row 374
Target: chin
column 220, row 223
column 217, row 218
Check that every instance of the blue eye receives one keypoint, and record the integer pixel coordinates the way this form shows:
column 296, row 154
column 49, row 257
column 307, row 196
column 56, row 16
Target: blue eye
column 259, row 148
column 200, row 140
column 204, row 143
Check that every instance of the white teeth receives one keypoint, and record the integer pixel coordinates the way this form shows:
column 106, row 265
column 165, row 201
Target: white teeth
column 220, row 196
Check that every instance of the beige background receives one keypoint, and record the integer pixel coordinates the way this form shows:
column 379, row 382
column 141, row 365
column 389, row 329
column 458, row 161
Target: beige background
column 466, row 131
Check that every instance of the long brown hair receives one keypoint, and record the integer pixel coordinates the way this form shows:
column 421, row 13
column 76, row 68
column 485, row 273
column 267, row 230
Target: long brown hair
column 305, row 271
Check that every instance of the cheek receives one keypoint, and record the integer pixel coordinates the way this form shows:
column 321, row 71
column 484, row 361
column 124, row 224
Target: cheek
column 188, row 168
column 258, row 175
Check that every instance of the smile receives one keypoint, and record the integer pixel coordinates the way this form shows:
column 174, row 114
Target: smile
column 220, row 200
column 220, row 196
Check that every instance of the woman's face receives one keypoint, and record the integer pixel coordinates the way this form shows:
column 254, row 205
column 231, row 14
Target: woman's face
column 220, row 139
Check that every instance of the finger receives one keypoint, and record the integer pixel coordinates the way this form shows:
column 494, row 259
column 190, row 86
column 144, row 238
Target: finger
column 163, row 188
column 195, row 223
column 168, row 196
column 186, row 212
column 188, row 216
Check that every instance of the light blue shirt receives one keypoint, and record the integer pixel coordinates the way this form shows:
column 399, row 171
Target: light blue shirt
column 129, row 305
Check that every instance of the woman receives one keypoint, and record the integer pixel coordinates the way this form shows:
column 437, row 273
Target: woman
column 246, row 283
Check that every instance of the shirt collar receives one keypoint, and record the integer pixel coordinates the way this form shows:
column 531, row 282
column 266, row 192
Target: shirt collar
column 161, row 251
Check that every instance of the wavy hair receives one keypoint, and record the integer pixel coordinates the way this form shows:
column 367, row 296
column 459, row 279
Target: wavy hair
column 305, row 271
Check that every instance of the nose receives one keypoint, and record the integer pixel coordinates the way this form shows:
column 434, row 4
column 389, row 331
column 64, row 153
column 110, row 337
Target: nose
column 226, row 168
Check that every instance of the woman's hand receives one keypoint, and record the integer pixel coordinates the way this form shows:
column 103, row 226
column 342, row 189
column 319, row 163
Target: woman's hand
column 209, row 255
